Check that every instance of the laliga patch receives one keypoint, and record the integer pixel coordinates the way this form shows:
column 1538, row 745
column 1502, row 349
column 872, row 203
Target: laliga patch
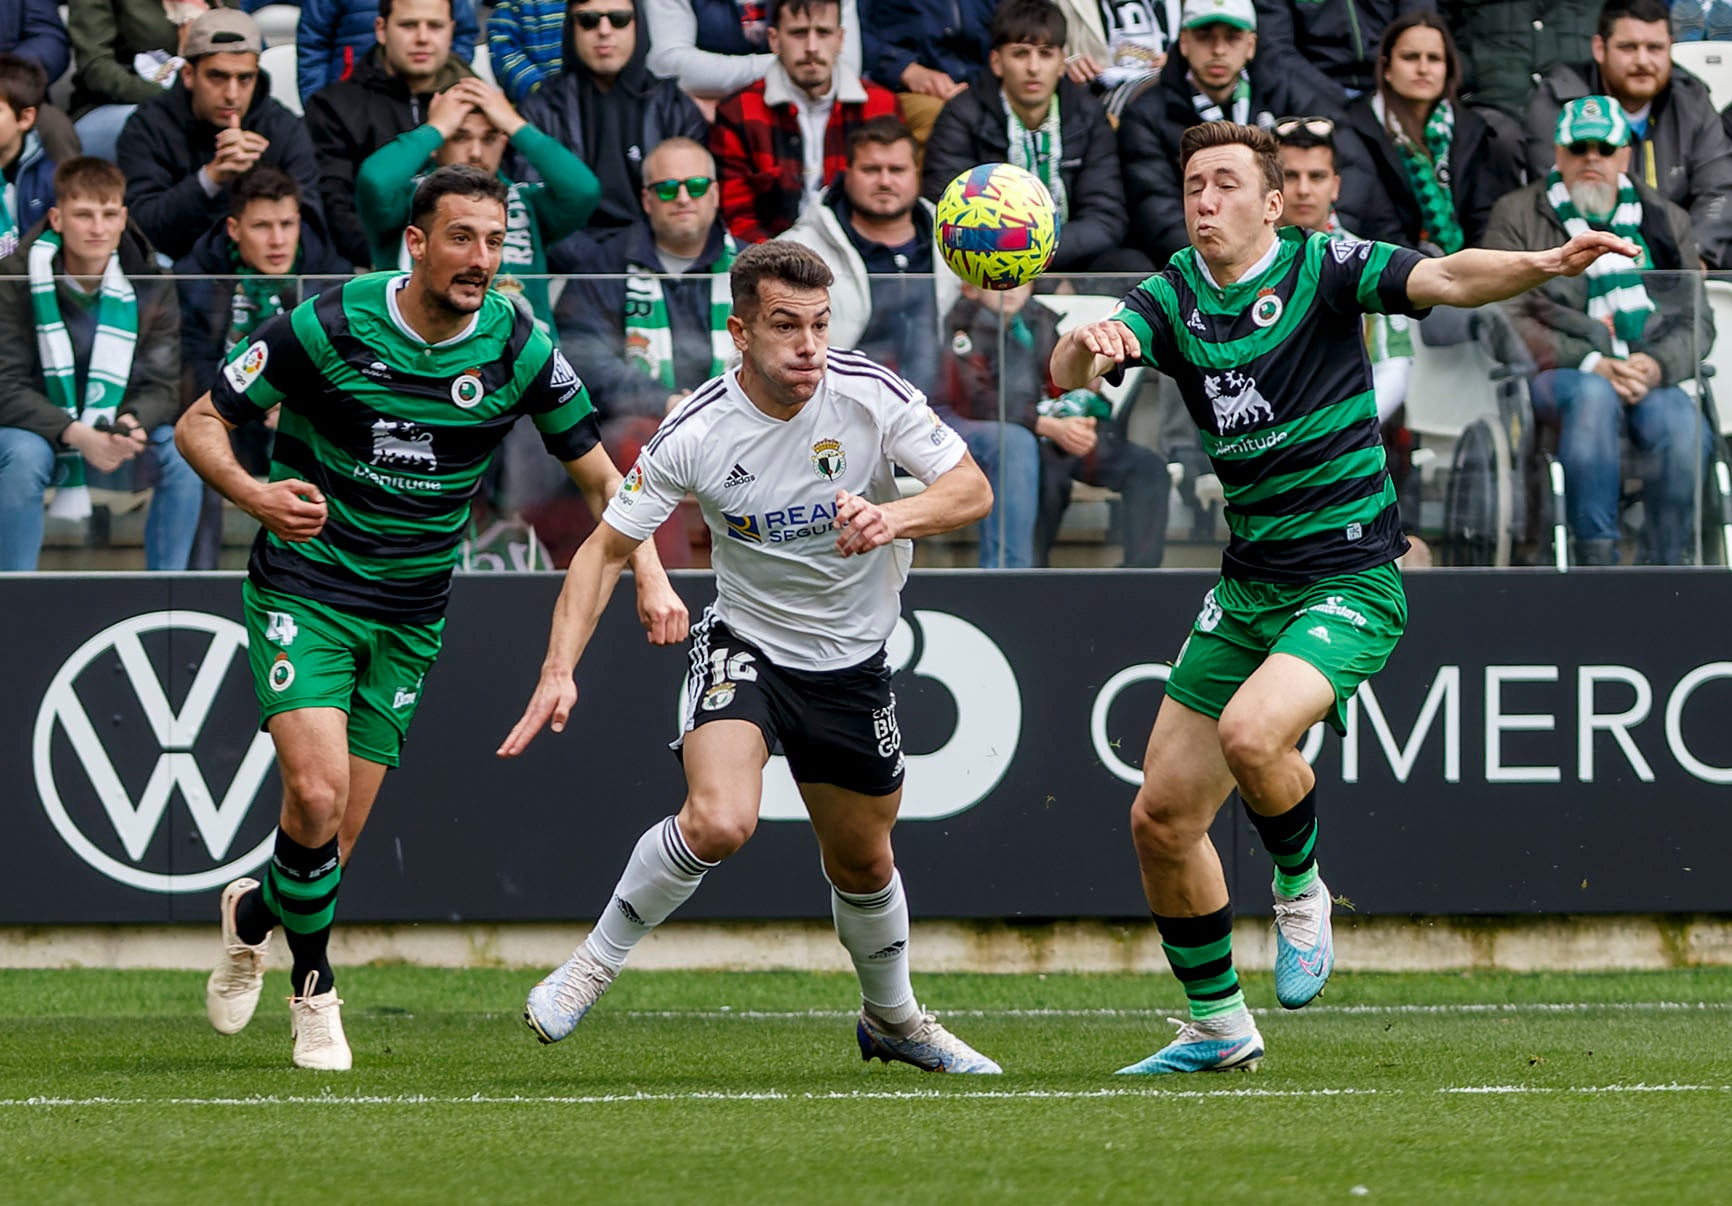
column 631, row 487
column 243, row 372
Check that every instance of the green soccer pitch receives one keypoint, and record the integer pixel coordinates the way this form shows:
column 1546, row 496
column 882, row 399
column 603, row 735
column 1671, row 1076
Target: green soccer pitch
column 748, row 1088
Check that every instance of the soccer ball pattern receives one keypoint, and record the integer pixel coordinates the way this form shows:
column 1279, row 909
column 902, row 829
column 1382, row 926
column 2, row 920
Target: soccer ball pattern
column 997, row 226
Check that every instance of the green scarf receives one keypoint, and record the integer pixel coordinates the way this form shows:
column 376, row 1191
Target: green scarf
column 9, row 232
column 1208, row 110
column 110, row 359
column 1040, row 152
column 1615, row 290
column 649, row 341
column 257, row 298
column 1428, row 172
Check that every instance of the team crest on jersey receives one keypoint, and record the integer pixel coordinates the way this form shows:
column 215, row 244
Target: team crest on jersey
column 1237, row 401
column 243, row 372
column 829, row 459
column 1267, row 310
column 466, row 389
column 718, row 697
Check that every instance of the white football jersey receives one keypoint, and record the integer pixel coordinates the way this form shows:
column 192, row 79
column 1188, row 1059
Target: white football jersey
column 768, row 492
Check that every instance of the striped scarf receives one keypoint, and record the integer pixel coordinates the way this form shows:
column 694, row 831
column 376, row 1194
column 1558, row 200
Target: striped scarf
column 1040, row 152
column 1428, row 171
column 9, row 232
column 1615, row 292
column 257, row 298
column 110, row 360
column 1207, row 108
column 649, row 341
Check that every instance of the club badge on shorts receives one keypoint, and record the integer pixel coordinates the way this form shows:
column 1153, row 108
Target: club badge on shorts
column 718, row 697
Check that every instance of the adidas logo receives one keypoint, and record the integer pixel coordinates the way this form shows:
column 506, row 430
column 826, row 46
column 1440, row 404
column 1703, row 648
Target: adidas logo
column 737, row 476
column 624, row 906
column 889, row 952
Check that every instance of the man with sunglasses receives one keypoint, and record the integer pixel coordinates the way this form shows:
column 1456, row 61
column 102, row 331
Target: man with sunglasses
column 1216, row 74
column 1260, row 328
column 606, row 108
column 472, row 123
column 1615, row 344
column 647, row 314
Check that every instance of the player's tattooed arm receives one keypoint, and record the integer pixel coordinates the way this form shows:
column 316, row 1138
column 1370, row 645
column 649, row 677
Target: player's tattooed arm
column 660, row 609
column 1093, row 350
column 1476, row 277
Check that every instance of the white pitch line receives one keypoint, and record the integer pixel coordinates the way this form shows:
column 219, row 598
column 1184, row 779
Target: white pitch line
column 1541, row 1007
column 773, row 1095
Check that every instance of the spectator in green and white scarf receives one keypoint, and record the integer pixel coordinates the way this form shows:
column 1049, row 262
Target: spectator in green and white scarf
column 89, row 373
column 1440, row 167
column 1616, row 343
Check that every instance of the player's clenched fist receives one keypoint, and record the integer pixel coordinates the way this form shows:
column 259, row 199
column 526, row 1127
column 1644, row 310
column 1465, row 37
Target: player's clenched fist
column 863, row 526
column 291, row 509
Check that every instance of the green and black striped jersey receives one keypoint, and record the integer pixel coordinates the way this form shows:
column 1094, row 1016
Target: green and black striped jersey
column 1274, row 372
column 396, row 433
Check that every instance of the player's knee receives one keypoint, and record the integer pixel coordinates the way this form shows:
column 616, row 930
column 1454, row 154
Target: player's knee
column 860, row 871
column 715, row 829
column 1249, row 745
column 1161, row 831
column 314, row 798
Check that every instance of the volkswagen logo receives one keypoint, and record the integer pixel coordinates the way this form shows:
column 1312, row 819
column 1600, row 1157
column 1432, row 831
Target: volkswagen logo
column 66, row 784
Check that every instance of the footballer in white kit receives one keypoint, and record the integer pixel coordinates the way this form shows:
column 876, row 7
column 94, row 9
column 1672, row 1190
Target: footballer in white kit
column 791, row 459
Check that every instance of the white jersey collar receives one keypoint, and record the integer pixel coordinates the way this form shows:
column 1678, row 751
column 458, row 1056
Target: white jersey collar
column 397, row 286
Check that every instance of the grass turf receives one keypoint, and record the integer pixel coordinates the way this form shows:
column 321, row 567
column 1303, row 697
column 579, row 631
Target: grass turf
column 748, row 1088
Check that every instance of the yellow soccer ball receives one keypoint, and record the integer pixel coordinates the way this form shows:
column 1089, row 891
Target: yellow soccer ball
column 997, row 226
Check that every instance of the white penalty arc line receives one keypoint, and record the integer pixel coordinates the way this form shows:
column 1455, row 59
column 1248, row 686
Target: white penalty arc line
column 772, row 1095
column 1466, row 1008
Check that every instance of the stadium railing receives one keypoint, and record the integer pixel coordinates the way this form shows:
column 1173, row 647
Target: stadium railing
column 1477, row 464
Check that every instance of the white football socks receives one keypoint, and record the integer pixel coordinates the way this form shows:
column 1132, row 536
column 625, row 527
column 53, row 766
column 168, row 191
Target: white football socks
column 873, row 926
column 660, row 876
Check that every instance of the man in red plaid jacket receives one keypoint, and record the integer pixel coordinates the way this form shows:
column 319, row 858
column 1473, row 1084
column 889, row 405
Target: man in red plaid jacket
column 779, row 143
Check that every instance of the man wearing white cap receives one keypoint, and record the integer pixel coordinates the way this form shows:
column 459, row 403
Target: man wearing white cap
column 1614, row 343
column 181, row 150
column 1215, row 76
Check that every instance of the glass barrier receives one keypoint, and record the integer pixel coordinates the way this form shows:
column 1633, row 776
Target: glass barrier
column 1527, row 433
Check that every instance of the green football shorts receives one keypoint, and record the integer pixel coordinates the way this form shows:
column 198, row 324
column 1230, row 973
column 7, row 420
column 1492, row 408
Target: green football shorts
column 1345, row 626
column 307, row 655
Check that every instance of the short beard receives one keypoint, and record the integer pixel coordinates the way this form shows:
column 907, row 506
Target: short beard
column 870, row 210
column 1594, row 200
column 444, row 300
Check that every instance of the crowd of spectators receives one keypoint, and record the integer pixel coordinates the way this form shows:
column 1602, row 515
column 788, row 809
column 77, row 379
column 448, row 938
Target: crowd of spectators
column 645, row 141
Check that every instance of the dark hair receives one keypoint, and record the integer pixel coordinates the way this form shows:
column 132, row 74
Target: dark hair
column 1645, row 11
column 1037, row 22
column 452, row 180
column 1451, row 67
column 88, row 177
column 385, row 7
column 266, row 182
column 1262, row 144
column 800, row 8
column 883, row 131
column 23, row 83
column 790, row 263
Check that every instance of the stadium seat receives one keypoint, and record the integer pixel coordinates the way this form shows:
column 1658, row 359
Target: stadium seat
column 1463, row 411
column 278, row 22
column 279, row 63
column 1710, row 62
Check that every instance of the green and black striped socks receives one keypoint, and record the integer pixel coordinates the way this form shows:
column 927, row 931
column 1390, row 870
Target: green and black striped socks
column 1200, row 952
column 1291, row 840
column 300, row 887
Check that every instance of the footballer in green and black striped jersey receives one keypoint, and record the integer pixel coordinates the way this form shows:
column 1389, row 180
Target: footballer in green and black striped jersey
column 1273, row 371
column 396, row 433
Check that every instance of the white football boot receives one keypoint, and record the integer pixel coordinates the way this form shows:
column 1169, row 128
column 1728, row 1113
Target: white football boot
column 317, row 1025
column 232, row 992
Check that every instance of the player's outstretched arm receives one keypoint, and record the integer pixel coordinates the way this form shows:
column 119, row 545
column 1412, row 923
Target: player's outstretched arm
column 1092, row 350
column 589, row 583
column 1475, row 277
column 958, row 497
column 660, row 609
column 292, row 509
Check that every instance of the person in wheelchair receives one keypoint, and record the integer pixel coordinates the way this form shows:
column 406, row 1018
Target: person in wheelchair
column 1615, row 344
